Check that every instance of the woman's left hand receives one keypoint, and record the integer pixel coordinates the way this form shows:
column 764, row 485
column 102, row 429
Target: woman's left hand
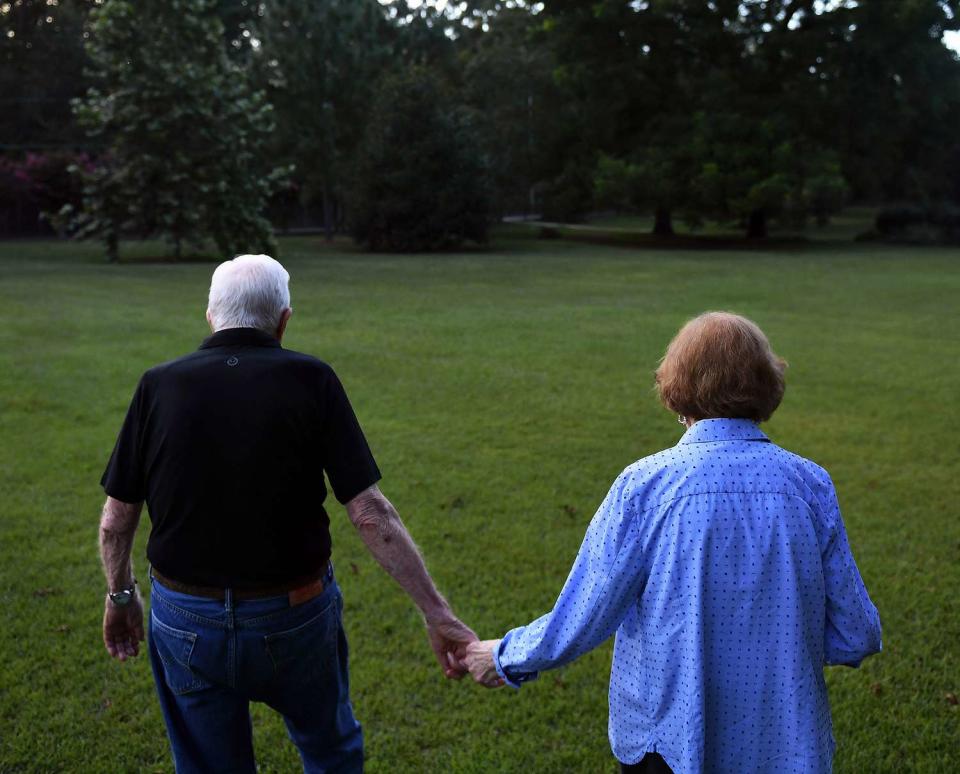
column 479, row 661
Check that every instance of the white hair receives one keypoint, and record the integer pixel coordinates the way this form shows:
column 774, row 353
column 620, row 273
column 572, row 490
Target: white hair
column 251, row 291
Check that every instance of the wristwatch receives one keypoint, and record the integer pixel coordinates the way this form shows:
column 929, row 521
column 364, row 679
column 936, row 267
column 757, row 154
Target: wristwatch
column 124, row 597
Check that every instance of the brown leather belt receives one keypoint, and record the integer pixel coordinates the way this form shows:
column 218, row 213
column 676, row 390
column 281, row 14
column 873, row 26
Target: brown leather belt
column 297, row 593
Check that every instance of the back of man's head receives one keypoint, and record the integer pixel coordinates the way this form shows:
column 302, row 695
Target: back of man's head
column 251, row 291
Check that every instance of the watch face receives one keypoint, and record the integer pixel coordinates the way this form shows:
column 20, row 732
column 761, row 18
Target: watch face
column 121, row 598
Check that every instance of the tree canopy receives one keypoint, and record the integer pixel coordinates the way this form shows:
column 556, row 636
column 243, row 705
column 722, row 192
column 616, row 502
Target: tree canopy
column 744, row 111
column 420, row 183
column 181, row 129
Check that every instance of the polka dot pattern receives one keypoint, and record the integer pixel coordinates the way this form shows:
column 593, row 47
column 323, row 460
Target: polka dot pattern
column 723, row 567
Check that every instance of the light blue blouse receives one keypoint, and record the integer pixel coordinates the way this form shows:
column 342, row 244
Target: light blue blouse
column 723, row 566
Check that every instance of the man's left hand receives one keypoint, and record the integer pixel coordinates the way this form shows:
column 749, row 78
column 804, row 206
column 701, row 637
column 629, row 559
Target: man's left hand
column 123, row 628
column 449, row 639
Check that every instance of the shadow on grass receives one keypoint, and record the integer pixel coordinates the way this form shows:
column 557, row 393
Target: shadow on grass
column 533, row 237
column 641, row 240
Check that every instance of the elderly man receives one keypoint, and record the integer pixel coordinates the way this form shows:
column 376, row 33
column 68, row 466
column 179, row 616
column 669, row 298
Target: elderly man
column 228, row 447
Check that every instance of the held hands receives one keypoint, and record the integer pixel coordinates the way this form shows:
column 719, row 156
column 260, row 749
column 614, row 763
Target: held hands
column 479, row 660
column 123, row 628
column 449, row 638
column 459, row 650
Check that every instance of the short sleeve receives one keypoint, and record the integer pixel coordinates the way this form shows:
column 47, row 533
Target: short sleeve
column 347, row 458
column 124, row 477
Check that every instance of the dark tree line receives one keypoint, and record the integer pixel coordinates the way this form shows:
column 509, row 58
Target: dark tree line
column 411, row 128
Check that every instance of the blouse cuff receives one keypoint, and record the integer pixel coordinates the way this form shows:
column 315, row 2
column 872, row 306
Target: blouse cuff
column 516, row 679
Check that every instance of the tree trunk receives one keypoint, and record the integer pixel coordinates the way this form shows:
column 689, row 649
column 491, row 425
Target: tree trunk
column 328, row 224
column 341, row 216
column 662, row 222
column 113, row 253
column 757, row 225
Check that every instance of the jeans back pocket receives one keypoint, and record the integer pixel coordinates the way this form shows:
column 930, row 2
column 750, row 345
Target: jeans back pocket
column 175, row 648
column 307, row 653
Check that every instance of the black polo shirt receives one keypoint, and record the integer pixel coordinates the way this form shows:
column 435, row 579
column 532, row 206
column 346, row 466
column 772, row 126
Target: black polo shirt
column 228, row 447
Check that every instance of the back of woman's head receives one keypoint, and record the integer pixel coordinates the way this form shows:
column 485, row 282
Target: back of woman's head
column 721, row 365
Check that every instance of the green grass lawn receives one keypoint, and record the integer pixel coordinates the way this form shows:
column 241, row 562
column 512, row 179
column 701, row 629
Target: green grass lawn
column 502, row 392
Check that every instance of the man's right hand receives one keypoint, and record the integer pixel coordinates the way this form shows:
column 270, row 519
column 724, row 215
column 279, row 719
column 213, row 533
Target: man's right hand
column 449, row 639
column 123, row 628
column 387, row 539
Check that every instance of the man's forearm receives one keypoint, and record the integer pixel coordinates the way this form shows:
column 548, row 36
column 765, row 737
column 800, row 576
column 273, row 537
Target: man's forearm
column 387, row 539
column 118, row 526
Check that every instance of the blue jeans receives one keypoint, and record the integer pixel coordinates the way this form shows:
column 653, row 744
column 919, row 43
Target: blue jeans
column 211, row 658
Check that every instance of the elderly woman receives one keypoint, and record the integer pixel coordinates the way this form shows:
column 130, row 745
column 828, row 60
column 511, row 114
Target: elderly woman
column 723, row 566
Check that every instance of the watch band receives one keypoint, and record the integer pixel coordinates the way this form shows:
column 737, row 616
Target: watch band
column 123, row 597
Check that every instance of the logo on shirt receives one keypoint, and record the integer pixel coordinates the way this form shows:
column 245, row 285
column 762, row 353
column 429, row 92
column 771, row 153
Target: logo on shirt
column 232, row 361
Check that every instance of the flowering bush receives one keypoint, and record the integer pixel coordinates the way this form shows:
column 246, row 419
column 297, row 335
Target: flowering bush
column 34, row 187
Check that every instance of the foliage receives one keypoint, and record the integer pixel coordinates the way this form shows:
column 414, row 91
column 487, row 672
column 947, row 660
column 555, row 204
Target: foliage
column 182, row 131
column 890, row 94
column 655, row 178
column 701, row 100
column 931, row 223
column 42, row 63
column 43, row 178
column 597, row 97
column 508, row 80
column 617, row 184
column 36, row 187
column 696, row 99
column 324, row 61
column 420, row 183
column 566, row 198
column 753, row 183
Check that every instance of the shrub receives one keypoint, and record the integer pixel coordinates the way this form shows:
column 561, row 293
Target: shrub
column 896, row 219
column 931, row 223
column 36, row 187
column 569, row 196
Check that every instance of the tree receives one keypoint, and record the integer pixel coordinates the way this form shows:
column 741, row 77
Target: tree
column 420, row 183
column 656, row 177
column 762, row 131
column 694, row 105
column 755, row 185
column 508, row 79
column 598, row 65
column 322, row 61
column 42, row 64
column 894, row 95
column 635, row 72
column 181, row 129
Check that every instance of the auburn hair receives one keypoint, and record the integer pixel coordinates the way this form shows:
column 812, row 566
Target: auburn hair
column 720, row 365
